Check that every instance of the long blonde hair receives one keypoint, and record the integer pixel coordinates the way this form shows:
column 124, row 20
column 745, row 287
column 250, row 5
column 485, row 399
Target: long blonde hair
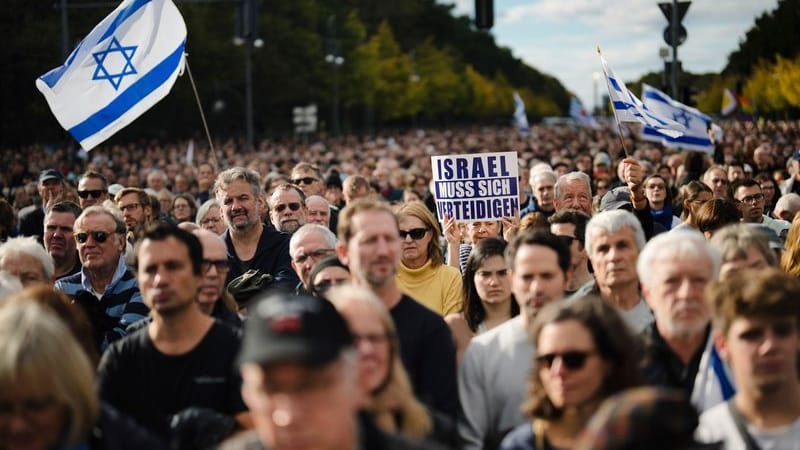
column 417, row 421
column 37, row 347
column 790, row 260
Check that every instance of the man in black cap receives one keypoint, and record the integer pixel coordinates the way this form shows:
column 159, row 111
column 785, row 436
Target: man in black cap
column 300, row 380
column 51, row 189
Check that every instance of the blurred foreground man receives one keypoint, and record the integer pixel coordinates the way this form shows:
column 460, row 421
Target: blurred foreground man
column 300, row 372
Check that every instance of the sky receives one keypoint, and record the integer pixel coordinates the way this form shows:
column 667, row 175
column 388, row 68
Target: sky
column 559, row 37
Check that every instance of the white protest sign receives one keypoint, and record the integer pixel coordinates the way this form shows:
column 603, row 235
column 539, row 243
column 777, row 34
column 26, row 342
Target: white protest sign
column 483, row 186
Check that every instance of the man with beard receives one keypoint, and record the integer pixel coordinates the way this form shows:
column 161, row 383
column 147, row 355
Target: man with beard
column 493, row 377
column 287, row 208
column 251, row 244
column 757, row 332
column 59, row 240
column 674, row 269
column 213, row 299
column 369, row 243
column 176, row 377
column 136, row 211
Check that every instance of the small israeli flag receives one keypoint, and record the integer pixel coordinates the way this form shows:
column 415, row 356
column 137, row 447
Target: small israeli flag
column 122, row 68
column 520, row 119
column 628, row 108
column 696, row 136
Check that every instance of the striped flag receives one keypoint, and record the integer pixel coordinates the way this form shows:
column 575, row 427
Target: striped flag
column 520, row 118
column 579, row 113
column 120, row 70
column 696, row 136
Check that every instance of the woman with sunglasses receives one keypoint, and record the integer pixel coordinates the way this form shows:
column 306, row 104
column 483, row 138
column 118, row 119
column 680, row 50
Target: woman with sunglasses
column 584, row 354
column 422, row 273
column 488, row 300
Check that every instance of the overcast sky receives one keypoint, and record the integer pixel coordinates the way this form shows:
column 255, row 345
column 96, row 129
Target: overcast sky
column 559, row 37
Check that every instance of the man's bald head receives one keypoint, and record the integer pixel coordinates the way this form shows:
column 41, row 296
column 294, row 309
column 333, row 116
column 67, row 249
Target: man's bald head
column 215, row 268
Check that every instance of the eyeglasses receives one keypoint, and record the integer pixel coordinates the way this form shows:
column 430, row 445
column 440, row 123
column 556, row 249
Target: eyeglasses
column 567, row 240
column 293, row 206
column 751, row 199
column 210, row 221
column 94, row 193
column 98, row 236
column 323, row 286
column 315, row 255
column 415, row 233
column 572, row 360
column 220, row 264
column 304, row 180
column 130, row 206
column 719, row 181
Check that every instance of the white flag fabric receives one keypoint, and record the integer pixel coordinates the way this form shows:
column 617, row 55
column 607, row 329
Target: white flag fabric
column 190, row 152
column 520, row 119
column 122, row 68
column 579, row 113
column 628, row 108
column 696, row 136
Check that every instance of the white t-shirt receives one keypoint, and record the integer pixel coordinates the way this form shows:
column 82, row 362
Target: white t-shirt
column 638, row 318
column 717, row 425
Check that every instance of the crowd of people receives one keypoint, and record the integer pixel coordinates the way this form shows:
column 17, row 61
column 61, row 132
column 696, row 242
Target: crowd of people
column 307, row 296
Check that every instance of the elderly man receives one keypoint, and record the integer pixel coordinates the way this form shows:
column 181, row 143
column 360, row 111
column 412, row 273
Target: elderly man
column 137, row 211
column 212, row 297
column 287, row 208
column 573, row 190
column 26, row 259
column 300, row 371
column 59, row 239
column 369, row 242
column 309, row 179
column 787, row 207
column 757, row 332
column 614, row 239
column 542, row 183
column 318, row 211
column 104, row 287
column 92, row 189
column 674, row 269
column 51, row 189
column 311, row 243
column 176, row 376
column 716, row 178
column 251, row 244
column 157, row 180
column 493, row 377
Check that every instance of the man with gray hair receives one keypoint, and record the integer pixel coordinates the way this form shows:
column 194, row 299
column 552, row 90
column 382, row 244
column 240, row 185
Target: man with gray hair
column 251, row 244
column 287, row 208
column 318, row 210
column 311, row 243
column 787, row 207
column 573, row 190
column 25, row 258
column 542, row 182
column 674, row 270
column 613, row 240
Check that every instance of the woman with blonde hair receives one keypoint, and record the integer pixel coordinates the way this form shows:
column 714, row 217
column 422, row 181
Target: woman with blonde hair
column 790, row 260
column 422, row 273
column 389, row 397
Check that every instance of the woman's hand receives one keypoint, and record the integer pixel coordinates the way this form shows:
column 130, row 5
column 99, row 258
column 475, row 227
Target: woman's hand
column 452, row 232
column 510, row 227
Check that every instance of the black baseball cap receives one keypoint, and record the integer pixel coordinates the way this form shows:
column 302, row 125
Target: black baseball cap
column 282, row 327
column 50, row 174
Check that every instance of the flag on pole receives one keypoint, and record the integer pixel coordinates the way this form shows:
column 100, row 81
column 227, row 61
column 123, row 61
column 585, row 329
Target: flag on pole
column 695, row 137
column 628, row 108
column 579, row 113
column 729, row 102
column 520, row 119
column 122, row 68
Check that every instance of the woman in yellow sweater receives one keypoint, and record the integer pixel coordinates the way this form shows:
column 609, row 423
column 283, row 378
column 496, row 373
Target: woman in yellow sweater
column 423, row 274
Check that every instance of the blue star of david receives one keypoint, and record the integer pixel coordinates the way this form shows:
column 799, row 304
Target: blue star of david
column 101, row 73
column 682, row 117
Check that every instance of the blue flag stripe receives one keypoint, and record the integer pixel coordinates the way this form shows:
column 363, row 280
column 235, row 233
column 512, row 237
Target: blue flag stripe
column 614, row 84
column 130, row 97
column 685, row 139
column 52, row 77
column 124, row 14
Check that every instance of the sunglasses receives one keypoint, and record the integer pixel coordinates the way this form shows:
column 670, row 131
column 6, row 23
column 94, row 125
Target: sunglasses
column 98, row 236
column 220, row 264
column 292, row 206
column 572, row 360
column 304, row 180
column 415, row 233
column 321, row 287
column 567, row 240
column 94, row 193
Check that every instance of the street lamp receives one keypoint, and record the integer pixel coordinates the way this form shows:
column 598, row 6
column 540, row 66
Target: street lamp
column 335, row 61
column 595, row 78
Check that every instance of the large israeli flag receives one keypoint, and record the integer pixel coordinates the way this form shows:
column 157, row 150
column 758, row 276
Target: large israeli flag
column 122, row 68
column 696, row 136
column 520, row 118
column 628, row 108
